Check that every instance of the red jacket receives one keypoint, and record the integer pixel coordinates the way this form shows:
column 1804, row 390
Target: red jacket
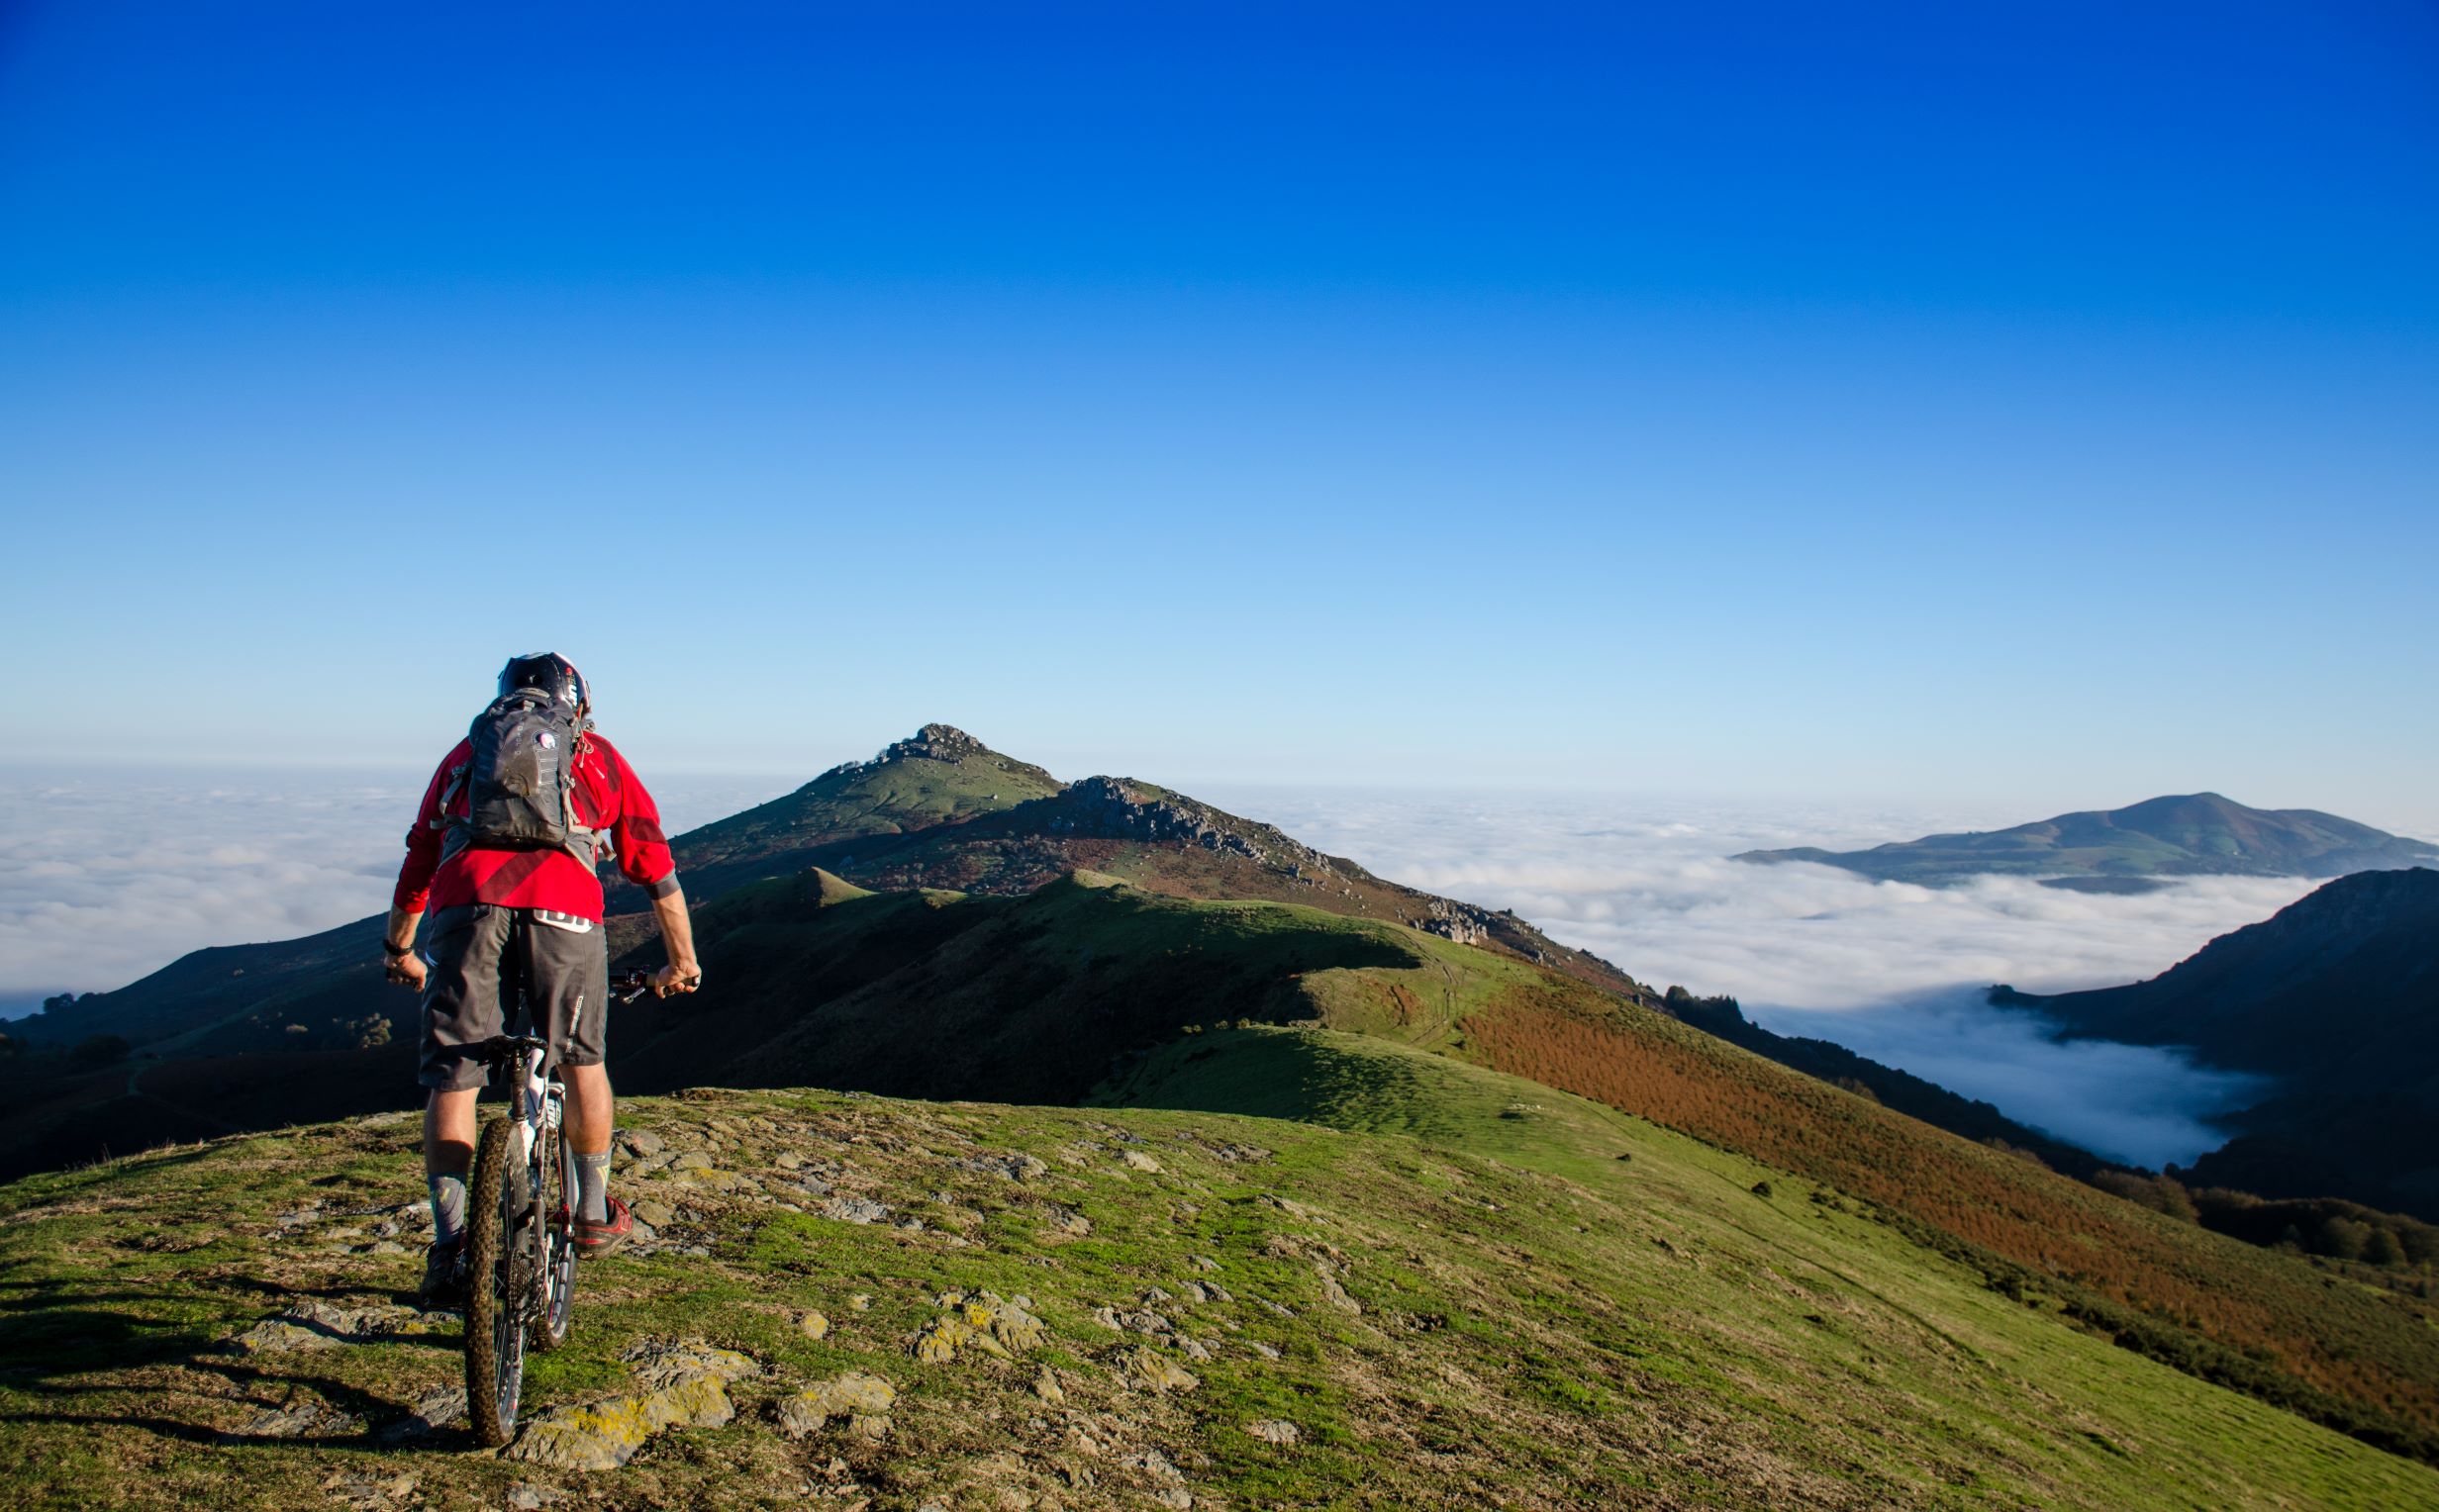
column 608, row 797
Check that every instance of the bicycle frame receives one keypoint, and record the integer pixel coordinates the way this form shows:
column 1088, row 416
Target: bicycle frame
column 537, row 1105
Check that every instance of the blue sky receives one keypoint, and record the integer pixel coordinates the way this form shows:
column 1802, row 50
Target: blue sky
column 2029, row 404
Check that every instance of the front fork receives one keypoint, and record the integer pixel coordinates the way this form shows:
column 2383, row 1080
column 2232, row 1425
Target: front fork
column 536, row 1105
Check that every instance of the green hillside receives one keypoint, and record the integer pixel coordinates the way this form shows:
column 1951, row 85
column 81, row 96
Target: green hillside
column 1462, row 1289
column 1083, row 988
column 2199, row 834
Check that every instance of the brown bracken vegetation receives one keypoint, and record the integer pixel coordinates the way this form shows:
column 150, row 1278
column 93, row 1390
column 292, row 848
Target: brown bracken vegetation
column 2259, row 1321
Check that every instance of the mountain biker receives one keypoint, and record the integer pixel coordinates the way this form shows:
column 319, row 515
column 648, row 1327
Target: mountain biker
column 524, row 909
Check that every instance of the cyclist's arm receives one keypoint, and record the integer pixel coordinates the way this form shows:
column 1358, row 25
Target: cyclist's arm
column 677, row 931
column 644, row 855
column 414, row 881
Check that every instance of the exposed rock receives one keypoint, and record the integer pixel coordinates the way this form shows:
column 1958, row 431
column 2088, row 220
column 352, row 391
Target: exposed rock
column 659, row 1362
column 311, row 1324
column 686, row 1386
column 1151, row 1371
column 641, row 1142
column 1067, row 1220
column 1116, row 808
column 980, row 1320
column 1136, row 1159
column 854, row 1395
column 300, row 1416
column 1047, row 1387
column 1333, row 1294
column 1015, row 1168
column 656, row 1213
column 853, row 1210
column 1461, row 923
column 1155, row 1463
column 1139, row 1320
column 813, row 1325
column 1274, row 1431
column 430, row 1417
column 367, row 1492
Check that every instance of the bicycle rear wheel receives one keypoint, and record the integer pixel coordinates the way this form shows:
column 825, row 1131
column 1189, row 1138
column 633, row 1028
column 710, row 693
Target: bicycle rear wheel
column 498, row 1205
column 555, row 1243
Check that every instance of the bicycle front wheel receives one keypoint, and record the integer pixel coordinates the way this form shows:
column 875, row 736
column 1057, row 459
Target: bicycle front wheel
column 555, row 1241
column 498, row 1273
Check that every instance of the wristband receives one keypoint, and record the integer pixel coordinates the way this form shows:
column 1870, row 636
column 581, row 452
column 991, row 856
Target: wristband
column 396, row 952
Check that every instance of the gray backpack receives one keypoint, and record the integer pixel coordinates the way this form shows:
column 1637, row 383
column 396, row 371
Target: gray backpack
column 522, row 778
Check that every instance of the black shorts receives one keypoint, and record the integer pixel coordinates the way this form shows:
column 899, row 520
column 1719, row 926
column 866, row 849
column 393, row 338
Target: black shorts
column 481, row 955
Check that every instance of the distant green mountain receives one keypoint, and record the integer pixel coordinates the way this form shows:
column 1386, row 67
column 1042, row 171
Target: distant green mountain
column 942, row 809
column 2124, row 850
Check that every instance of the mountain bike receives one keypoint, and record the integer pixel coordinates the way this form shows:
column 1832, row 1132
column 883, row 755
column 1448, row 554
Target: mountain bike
column 520, row 1240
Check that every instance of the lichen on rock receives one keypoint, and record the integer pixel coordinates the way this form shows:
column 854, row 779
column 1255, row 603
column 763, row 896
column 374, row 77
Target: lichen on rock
column 854, row 1395
column 686, row 1386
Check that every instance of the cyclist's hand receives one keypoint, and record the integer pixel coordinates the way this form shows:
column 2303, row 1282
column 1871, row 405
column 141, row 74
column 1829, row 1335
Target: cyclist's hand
column 407, row 971
column 669, row 982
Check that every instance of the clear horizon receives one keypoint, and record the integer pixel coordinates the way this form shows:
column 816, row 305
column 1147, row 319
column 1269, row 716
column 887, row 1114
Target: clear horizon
column 2017, row 405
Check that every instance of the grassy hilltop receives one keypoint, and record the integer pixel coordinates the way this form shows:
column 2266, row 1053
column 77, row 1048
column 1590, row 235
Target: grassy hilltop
column 1441, row 1285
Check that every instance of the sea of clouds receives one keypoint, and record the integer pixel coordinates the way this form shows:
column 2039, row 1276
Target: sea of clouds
column 1892, row 971
column 109, row 874
column 105, row 876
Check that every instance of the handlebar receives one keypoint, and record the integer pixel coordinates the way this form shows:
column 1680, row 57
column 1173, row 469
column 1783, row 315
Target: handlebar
column 627, row 985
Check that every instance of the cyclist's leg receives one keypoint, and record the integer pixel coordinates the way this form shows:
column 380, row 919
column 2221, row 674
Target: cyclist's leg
column 570, row 983
column 460, row 1010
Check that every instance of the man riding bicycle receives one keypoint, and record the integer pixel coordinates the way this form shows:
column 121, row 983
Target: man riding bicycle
column 503, row 852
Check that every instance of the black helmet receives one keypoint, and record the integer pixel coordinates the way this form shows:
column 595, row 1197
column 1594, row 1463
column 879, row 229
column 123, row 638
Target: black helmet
column 550, row 671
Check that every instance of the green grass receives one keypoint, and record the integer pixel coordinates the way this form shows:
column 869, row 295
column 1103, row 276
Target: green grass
column 1543, row 1323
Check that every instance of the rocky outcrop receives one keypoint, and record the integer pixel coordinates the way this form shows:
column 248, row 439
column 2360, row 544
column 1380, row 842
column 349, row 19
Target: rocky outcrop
column 860, row 1400
column 682, row 1386
column 934, row 742
column 1462, row 922
column 1117, row 808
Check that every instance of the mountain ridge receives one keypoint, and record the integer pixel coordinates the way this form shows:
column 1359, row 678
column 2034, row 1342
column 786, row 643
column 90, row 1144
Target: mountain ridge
column 2334, row 997
column 2127, row 849
column 998, row 824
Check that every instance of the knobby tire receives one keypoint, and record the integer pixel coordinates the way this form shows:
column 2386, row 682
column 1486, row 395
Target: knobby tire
column 489, row 1273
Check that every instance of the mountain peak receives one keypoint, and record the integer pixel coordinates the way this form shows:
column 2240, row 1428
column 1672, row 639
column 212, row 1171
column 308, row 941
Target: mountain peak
column 938, row 742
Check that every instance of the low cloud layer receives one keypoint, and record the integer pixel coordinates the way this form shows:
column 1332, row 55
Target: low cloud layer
column 1891, row 970
column 106, row 877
